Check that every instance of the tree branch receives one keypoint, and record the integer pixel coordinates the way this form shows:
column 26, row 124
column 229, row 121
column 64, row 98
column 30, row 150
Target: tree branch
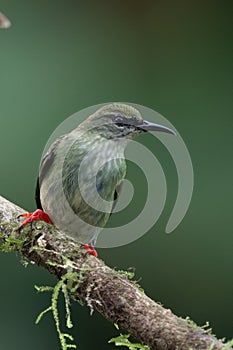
column 117, row 298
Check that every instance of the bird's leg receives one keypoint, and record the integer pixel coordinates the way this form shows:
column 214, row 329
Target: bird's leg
column 90, row 249
column 35, row 216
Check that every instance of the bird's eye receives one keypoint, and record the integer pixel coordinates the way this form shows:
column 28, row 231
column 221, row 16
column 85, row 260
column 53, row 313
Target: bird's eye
column 118, row 119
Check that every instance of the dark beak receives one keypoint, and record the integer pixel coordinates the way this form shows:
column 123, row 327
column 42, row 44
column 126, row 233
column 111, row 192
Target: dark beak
column 147, row 126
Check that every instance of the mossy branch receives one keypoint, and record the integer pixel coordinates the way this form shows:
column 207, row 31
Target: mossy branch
column 111, row 293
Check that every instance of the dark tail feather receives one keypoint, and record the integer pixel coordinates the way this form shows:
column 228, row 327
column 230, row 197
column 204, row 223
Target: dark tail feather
column 37, row 195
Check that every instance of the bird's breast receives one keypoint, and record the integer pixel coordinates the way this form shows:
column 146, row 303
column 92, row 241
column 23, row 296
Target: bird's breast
column 90, row 181
column 78, row 191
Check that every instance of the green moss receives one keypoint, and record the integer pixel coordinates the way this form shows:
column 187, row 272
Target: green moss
column 14, row 241
column 228, row 345
column 123, row 340
column 130, row 274
column 62, row 286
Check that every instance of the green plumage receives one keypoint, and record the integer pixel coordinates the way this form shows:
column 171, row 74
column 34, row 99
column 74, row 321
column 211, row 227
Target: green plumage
column 81, row 174
column 106, row 178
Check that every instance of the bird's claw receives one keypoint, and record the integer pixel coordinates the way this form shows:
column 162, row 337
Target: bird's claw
column 90, row 249
column 35, row 216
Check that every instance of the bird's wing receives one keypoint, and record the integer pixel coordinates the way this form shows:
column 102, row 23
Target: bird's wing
column 116, row 196
column 46, row 163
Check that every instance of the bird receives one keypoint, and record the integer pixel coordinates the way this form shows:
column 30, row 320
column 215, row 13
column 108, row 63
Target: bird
column 81, row 175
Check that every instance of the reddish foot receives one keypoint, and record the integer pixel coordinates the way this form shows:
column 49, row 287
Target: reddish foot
column 90, row 249
column 36, row 215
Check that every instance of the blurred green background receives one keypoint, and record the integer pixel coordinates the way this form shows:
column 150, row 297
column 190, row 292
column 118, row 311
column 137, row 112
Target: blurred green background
column 172, row 56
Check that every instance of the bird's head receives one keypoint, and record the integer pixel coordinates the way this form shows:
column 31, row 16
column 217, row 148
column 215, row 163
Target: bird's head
column 121, row 121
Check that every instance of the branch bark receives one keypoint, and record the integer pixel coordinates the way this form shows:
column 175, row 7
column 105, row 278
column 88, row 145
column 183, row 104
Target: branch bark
column 112, row 294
